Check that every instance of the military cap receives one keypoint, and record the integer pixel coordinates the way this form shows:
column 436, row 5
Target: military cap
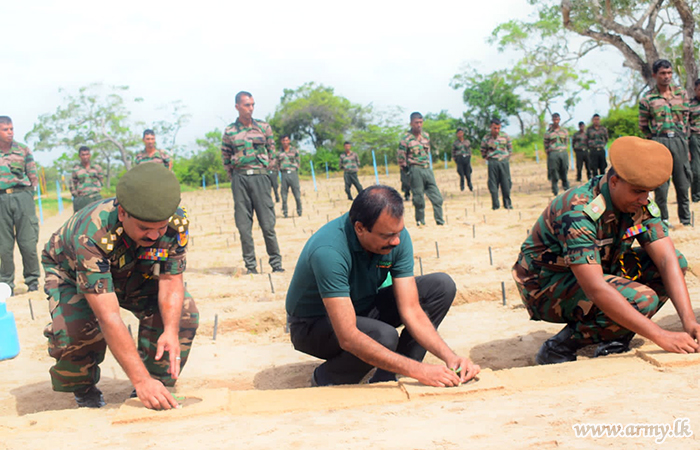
column 149, row 192
column 641, row 162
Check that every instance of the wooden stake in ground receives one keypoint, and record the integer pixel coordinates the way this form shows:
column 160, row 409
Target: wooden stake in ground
column 420, row 263
column 216, row 325
column 503, row 292
column 272, row 287
column 437, row 250
column 31, row 310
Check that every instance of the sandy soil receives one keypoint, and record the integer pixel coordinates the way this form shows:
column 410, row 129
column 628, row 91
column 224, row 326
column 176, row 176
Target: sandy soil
column 251, row 352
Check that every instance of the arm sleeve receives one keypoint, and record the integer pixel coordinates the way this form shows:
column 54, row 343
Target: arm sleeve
column 227, row 152
column 644, row 118
column 401, row 154
column 92, row 268
column 403, row 262
column 74, row 184
column 30, row 168
column 331, row 271
column 577, row 235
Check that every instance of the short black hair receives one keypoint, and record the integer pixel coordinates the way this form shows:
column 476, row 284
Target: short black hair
column 596, row 115
column 697, row 82
column 581, row 123
column 149, row 132
column 459, row 129
column 242, row 94
column 660, row 64
column 5, row 120
column 347, row 142
column 556, row 115
column 416, row 115
column 369, row 204
column 495, row 121
column 284, row 136
column 84, row 148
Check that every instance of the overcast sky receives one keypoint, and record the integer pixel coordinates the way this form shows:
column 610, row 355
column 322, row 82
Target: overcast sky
column 381, row 52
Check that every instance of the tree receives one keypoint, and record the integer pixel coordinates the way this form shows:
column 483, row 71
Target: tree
column 206, row 162
column 315, row 113
column 167, row 130
column 382, row 134
column 442, row 128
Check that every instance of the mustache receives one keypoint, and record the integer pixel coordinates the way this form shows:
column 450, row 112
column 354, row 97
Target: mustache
column 389, row 247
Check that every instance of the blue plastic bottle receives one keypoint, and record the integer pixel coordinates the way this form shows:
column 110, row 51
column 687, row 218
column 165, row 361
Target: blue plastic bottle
column 9, row 342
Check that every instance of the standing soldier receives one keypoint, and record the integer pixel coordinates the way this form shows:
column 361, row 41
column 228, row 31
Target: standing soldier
column 405, row 175
column 18, row 181
column 414, row 158
column 597, row 139
column 462, row 156
column 246, row 149
column 350, row 163
column 580, row 146
column 288, row 160
column 695, row 143
column 124, row 252
column 273, row 174
column 556, row 142
column 663, row 117
column 86, row 181
column 151, row 153
column 496, row 149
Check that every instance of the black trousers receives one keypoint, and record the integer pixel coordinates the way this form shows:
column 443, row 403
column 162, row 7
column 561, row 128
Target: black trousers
column 315, row 336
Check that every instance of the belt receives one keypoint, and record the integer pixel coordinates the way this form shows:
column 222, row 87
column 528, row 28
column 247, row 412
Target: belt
column 669, row 134
column 251, row 172
column 16, row 189
column 289, row 171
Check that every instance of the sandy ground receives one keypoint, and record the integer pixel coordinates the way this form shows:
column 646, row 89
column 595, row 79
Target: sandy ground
column 534, row 408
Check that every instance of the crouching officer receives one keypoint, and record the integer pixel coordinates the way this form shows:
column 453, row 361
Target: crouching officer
column 578, row 265
column 126, row 252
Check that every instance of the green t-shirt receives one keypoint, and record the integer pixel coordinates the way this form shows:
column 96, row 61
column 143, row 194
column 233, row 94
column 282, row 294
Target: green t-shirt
column 334, row 264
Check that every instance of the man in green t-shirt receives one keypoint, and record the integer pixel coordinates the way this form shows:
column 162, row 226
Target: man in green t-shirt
column 337, row 310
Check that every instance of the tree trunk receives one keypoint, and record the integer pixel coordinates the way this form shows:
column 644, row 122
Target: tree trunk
column 691, row 68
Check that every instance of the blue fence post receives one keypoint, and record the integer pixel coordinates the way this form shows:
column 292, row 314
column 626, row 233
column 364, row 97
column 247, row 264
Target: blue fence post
column 58, row 196
column 313, row 175
column 386, row 165
column 41, row 208
column 374, row 162
column 216, row 178
column 326, row 170
column 445, row 160
column 204, row 182
column 537, row 154
column 430, row 157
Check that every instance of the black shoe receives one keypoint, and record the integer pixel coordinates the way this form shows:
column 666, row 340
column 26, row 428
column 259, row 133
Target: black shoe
column 349, row 198
column 89, row 398
column 285, row 215
column 133, row 394
column 253, row 271
column 33, row 287
column 277, row 269
column 559, row 348
column 614, row 347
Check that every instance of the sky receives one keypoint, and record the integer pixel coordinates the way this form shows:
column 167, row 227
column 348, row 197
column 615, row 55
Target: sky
column 383, row 53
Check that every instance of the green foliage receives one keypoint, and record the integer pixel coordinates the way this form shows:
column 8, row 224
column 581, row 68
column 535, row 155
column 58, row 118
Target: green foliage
column 382, row 134
column 442, row 128
column 622, row 122
column 206, row 162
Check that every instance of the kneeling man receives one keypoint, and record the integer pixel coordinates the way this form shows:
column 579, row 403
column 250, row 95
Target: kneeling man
column 338, row 312
column 129, row 253
column 578, row 265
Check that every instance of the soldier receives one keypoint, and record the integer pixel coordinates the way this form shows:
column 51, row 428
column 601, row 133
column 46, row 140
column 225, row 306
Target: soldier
column 496, row 149
column 350, row 163
column 405, row 177
column 273, row 174
column 556, row 142
column 18, row 181
column 580, row 146
column 246, row 149
column 694, row 141
column 151, row 154
column 597, row 139
column 288, row 161
column 663, row 117
column 86, row 181
column 578, row 265
column 124, row 252
column 462, row 156
column 337, row 312
column 414, row 158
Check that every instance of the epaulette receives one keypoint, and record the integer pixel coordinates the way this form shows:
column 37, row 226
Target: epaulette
column 653, row 208
column 109, row 240
column 180, row 223
column 595, row 208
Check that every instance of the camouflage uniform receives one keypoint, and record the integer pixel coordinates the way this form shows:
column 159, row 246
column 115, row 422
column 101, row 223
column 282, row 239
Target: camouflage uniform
column 350, row 163
column 694, row 141
column 18, row 214
column 159, row 156
column 414, row 157
column 596, row 140
column 496, row 151
column 666, row 121
column 581, row 226
column 273, row 174
column 91, row 254
column 555, row 145
column 246, row 153
column 85, row 186
column 462, row 156
column 580, row 145
column 289, row 166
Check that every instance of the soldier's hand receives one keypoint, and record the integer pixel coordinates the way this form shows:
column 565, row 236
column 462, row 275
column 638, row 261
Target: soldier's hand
column 694, row 331
column 677, row 342
column 464, row 368
column 437, row 375
column 170, row 342
column 153, row 395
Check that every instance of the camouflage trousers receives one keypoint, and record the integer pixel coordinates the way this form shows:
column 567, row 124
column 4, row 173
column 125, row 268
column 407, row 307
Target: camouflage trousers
column 351, row 179
column 77, row 343
column 557, row 167
column 681, row 177
column 18, row 221
column 406, row 182
column 558, row 298
column 273, row 175
column 422, row 184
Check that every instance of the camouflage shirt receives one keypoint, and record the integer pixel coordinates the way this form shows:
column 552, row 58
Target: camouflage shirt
column 86, row 182
column 581, row 226
column 17, row 167
column 349, row 162
column 694, row 120
column 658, row 114
column 556, row 140
column 159, row 156
column 414, row 151
column 92, row 252
column 596, row 139
column 245, row 148
column 288, row 160
column 461, row 149
column 579, row 142
column 497, row 148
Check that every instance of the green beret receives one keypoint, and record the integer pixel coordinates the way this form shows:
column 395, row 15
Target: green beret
column 641, row 162
column 149, row 192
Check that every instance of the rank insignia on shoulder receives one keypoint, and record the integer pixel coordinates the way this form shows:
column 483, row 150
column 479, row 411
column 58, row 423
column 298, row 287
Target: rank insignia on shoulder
column 154, row 254
column 653, row 208
column 182, row 238
column 634, row 230
column 595, row 208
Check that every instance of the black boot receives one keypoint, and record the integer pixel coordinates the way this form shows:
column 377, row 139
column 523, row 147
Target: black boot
column 621, row 345
column 559, row 348
column 89, row 398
